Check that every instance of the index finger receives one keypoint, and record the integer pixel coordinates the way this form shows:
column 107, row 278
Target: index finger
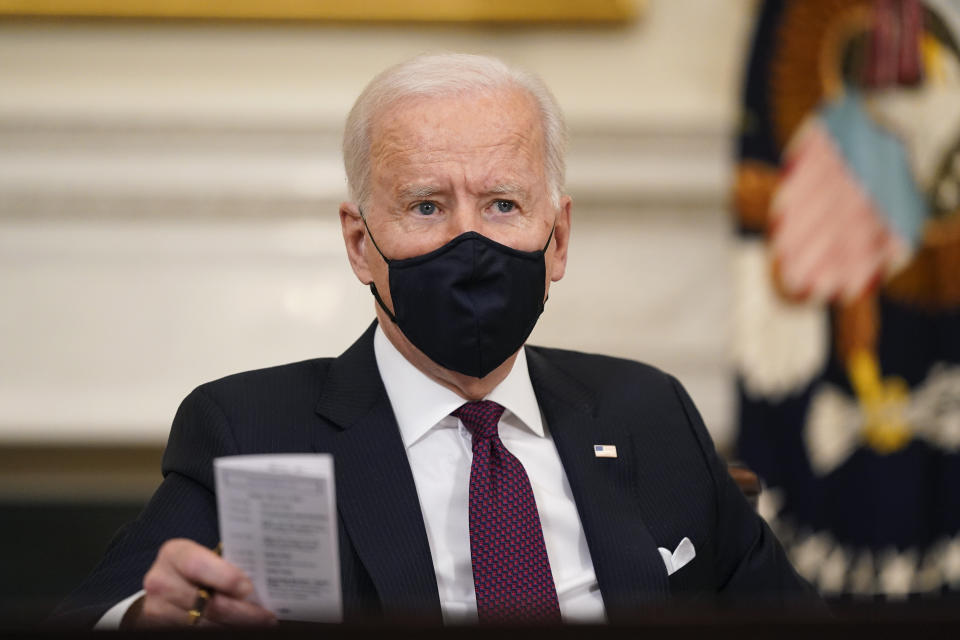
column 201, row 566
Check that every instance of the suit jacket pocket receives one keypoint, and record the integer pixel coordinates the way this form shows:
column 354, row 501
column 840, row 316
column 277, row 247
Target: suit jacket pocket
column 692, row 580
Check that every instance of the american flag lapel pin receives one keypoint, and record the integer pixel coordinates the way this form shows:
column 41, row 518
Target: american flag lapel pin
column 605, row 450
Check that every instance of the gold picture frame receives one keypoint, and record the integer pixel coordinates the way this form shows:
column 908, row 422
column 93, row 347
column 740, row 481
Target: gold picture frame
column 440, row 11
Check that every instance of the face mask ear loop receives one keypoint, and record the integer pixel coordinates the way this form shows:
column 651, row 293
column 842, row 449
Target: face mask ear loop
column 370, row 235
column 549, row 238
column 544, row 250
column 373, row 287
column 376, row 295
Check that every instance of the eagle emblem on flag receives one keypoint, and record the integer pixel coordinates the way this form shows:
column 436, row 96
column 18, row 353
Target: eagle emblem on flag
column 847, row 342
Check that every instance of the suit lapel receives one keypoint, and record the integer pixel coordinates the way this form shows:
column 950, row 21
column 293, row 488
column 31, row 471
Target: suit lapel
column 377, row 498
column 628, row 566
column 376, row 495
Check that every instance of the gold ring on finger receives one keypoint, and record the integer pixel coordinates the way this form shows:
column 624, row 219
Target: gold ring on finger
column 203, row 596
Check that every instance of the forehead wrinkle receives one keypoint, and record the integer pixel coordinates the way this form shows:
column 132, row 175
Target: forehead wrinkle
column 412, row 138
column 392, row 138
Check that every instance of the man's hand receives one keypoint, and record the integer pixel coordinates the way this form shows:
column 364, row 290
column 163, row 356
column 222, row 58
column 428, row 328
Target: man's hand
column 183, row 566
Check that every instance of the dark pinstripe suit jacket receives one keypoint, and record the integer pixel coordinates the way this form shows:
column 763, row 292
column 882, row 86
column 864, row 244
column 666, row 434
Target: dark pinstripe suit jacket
column 667, row 483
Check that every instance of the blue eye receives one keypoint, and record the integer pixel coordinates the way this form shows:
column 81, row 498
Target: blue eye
column 426, row 208
column 505, row 206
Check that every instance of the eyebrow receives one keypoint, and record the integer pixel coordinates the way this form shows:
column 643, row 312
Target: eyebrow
column 417, row 191
column 507, row 188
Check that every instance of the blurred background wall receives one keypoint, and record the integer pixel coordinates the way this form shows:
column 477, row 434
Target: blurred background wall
column 168, row 215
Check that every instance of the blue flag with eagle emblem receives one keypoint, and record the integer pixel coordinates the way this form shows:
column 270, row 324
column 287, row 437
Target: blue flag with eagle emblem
column 847, row 327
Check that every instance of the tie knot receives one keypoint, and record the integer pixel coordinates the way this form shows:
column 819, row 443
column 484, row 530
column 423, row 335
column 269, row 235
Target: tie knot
column 481, row 418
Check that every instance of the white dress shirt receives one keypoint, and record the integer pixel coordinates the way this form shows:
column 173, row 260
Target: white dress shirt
column 440, row 454
column 439, row 450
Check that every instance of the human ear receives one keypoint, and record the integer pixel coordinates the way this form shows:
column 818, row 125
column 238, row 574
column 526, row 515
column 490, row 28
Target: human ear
column 561, row 239
column 355, row 239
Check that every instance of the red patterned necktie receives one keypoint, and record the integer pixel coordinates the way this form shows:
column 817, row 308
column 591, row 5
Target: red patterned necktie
column 511, row 571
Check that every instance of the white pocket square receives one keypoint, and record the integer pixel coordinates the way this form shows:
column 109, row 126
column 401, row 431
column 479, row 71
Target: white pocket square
column 679, row 558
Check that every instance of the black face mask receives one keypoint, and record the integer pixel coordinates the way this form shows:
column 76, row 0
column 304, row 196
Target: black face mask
column 468, row 305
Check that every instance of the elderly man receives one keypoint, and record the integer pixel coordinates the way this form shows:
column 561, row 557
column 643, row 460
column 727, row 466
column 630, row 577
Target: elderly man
column 477, row 479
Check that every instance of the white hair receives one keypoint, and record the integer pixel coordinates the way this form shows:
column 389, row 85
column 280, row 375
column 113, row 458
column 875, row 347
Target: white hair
column 440, row 75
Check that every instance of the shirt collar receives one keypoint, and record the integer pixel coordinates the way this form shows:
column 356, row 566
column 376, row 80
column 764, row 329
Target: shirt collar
column 420, row 403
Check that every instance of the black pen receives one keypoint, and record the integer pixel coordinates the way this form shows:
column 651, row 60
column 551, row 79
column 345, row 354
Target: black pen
column 204, row 594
